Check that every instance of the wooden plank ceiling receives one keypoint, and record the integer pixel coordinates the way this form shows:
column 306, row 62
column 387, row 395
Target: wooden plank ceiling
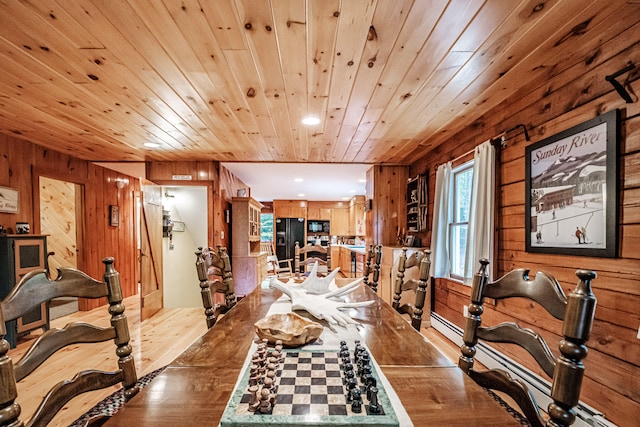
column 230, row 80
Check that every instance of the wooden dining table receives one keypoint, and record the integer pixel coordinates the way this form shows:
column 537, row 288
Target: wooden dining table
column 196, row 387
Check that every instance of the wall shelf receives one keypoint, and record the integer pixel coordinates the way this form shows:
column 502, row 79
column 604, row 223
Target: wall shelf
column 417, row 204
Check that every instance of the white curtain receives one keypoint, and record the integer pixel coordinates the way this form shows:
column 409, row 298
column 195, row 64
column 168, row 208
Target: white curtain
column 480, row 233
column 440, row 266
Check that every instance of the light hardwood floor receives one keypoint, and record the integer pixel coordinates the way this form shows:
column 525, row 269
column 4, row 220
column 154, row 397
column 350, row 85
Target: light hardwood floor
column 156, row 342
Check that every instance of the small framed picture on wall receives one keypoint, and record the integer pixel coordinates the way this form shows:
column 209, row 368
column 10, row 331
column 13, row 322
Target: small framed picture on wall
column 114, row 215
column 408, row 241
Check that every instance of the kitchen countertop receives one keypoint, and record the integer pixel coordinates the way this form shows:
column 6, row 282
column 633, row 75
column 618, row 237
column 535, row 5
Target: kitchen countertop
column 360, row 249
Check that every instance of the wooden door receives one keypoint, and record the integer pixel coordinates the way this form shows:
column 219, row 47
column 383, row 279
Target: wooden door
column 59, row 213
column 151, row 290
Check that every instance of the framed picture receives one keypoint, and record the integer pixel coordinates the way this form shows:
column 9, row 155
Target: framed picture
column 572, row 190
column 178, row 226
column 408, row 241
column 9, row 200
column 114, row 215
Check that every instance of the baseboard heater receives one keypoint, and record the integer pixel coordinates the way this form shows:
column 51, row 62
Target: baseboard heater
column 586, row 416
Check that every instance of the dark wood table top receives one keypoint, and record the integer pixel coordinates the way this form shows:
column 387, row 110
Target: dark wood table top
column 195, row 388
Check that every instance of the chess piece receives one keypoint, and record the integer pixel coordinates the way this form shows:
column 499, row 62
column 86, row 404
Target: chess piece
column 351, row 385
column 356, row 400
column 254, row 375
column 366, row 370
column 348, row 375
column 254, row 402
column 265, row 403
column 267, row 386
column 348, row 367
column 374, row 406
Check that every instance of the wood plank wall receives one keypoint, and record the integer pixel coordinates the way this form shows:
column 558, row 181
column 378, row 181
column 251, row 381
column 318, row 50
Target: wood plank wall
column 562, row 95
column 221, row 185
column 21, row 163
column 387, row 187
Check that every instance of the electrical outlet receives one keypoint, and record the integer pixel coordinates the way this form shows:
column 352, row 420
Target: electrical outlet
column 639, row 332
column 222, row 235
column 465, row 311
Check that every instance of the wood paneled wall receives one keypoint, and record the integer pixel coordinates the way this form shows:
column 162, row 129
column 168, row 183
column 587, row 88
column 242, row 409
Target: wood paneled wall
column 221, row 185
column 21, row 163
column 387, row 187
column 563, row 95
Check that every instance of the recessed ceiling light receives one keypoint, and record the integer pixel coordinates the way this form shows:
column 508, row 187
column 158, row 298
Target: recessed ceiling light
column 310, row 120
column 151, row 144
column 300, row 194
column 297, row 179
column 362, row 180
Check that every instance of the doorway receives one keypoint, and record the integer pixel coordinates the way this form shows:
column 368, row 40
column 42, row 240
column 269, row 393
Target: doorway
column 187, row 208
column 60, row 210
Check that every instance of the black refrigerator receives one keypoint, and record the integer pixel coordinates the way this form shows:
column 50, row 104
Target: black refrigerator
column 288, row 232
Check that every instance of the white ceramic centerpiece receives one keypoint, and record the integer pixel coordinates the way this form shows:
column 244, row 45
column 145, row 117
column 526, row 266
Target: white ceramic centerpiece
column 293, row 330
column 320, row 297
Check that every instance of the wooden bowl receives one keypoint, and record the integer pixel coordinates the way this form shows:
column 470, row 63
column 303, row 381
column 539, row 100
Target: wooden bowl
column 293, row 330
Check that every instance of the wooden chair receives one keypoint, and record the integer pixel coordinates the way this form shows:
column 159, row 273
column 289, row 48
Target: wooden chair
column 36, row 288
column 374, row 258
column 576, row 312
column 418, row 261
column 304, row 258
column 214, row 274
column 267, row 248
column 279, row 268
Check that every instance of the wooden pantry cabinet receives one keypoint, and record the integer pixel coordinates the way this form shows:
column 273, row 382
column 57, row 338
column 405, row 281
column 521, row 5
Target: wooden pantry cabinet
column 248, row 263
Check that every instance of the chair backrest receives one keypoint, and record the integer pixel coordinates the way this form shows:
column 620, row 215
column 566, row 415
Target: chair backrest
column 214, row 274
column 566, row 370
column 266, row 247
column 419, row 261
column 279, row 268
column 373, row 260
column 309, row 255
column 36, row 288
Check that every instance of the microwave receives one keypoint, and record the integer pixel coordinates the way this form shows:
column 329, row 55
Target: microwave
column 318, row 227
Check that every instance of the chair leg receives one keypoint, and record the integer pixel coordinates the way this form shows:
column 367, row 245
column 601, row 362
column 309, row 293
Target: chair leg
column 421, row 293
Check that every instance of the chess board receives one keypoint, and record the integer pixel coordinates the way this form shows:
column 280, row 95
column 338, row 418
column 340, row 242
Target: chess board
column 311, row 391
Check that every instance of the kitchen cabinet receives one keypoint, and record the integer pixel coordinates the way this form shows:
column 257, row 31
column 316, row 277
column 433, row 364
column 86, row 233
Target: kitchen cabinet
column 340, row 222
column 335, row 257
column 289, row 209
column 19, row 255
column 321, row 214
column 345, row 261
column 248, row 264
column 356, row 216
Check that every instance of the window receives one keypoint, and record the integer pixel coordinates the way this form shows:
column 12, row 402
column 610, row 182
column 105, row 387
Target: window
column 460, row 202
column 266, row 227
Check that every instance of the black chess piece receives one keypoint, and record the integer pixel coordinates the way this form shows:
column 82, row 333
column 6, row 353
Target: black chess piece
column 348, row 367
column 356, row 401
column 374, row 406
column 366, row 370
